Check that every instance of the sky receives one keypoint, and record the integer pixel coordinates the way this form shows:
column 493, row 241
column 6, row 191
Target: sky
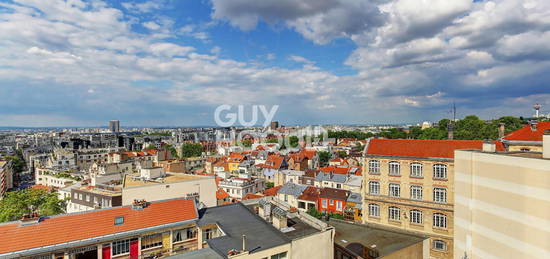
column 173, row 62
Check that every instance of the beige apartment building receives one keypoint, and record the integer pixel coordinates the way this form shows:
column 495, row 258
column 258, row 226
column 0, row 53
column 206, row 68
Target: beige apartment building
column 6, row 176
column 502, row 204
column 409, row 186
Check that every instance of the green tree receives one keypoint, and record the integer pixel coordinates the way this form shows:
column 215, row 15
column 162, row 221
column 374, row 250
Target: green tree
column 324, row 156
column 151, row 146
column 191, row 150
column 269, row 185
column 342, row 154
column 433, row 133
column 172, row 150
column 18, row 203
column 272, row 140
column 247, row 143
column 293, row 141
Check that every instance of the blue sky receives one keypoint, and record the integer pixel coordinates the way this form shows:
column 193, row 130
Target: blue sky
column 168, row 62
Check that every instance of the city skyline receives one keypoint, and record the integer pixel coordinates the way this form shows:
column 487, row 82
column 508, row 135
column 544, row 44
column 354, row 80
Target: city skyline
column 323, row 62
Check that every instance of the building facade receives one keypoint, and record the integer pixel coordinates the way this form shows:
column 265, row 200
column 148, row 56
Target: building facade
column 502, row 204
column 409, row 185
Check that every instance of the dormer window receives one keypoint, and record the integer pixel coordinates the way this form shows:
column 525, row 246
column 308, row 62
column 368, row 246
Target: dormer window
column 119, row 221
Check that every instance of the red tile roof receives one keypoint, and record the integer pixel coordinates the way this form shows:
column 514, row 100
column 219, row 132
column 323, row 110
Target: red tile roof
column 251, row 196
column 272, row 191
column 335, row 194
column 527, row 134
column 73, row 227
column 335, row 170
column 221, row 194
column 423, row 148
column 310, row 194
column 273, row 162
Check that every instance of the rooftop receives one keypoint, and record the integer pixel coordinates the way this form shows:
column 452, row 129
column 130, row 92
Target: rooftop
column 528, row 132
column 356, row 236
column 236, row 220
column 134, row 180
column 93, row 224
column 422, row 148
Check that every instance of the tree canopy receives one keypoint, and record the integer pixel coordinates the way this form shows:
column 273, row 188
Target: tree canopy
column 18, row 203
column 324, row 157
column 191, row 150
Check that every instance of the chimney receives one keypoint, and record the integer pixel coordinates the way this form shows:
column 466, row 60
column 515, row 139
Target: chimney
column 244, row 243
column 546, row 144
column 489, row 146
column 450, row 128
column 501, row 130
column 533, row 125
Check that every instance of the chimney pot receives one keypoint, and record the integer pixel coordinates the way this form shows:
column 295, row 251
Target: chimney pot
column 489, row 146
column 501, row 129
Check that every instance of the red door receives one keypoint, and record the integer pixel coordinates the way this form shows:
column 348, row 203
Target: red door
column 106, row 252
column 134, row 249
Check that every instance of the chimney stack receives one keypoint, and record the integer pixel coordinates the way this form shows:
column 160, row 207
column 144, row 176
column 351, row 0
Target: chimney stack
column 489, row 146
column 546, row 144
column 501, row 130
column 533, row 125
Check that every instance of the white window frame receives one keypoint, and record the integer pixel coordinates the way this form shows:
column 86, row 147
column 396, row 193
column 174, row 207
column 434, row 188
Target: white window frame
column 374, row 187
column 394, row 168
column 440, row 195
column 440, row 171
column 416, row 216
column 157, row 237
column 394, row 190
column 440, row 242
column 120, row 247
column 324, row 201
column 416, row 169
column 339, row 205
column 394, row 213
column 416, row 192
column 374, row 166
column 374, row 210
column 440, row 220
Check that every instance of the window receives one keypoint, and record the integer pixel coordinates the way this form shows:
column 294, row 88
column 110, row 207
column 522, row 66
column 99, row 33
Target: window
column 440, row 171
column 416, row 170
column 416, row 192
column 119, row 220
column 80, row 196
column 331, row 202
column 374, row 167
column 374, row 210
column 395, row 190
column 338, row 205
column 75, row 195
column 209, row 233
column 416, row 216
column 440, row 195
column 324, row 203
column 394, row 213
column 394, row 168
column 339, row 186
column 374, row 188
column 439, row 245
column 286, row 198
column 121, row 247
column 184, row 234
column 151, row 241
column 440, row 220
column 279, row 256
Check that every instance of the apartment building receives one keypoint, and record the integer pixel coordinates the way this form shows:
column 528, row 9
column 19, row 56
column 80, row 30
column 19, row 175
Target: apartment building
column 409, row 185
column 171, row 185
column 502, row 203
column 136, row 231
column 55, row 177
column 84, row 198
column 6, row 176
column 239, row 187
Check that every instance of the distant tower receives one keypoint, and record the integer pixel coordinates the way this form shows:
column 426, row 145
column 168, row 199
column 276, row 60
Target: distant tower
column 274, row 125
column 114, row 126
column 537, row 109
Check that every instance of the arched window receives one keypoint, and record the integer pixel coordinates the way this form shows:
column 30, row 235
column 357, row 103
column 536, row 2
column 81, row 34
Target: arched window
column 416, row 192
column 374, row 188
column 374, row 210
column 416, row 216
column 440, row 220
column 416, row 169
column 394, row 213
column 394, row 190
column 374, row 167
column 440, row 171
column 440, row 195
column 394, row 168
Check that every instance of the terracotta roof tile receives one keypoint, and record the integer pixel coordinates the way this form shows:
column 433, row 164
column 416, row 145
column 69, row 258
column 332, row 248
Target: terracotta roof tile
column 272, row 191
column 72, row 227
column 422, row 148
column 221, row 194
column 527, row 134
